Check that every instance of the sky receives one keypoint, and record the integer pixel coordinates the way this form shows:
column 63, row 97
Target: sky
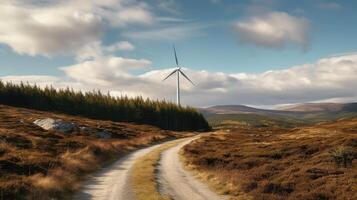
column 263, row 53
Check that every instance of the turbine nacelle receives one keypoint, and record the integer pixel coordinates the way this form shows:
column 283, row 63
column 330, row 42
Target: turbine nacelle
column 179, row 70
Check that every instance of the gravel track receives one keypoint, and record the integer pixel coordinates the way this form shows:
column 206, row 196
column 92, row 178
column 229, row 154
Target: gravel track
column 180, row 184
column 112, row 183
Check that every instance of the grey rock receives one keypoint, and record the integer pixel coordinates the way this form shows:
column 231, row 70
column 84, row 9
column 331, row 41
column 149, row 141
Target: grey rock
column 55, row 124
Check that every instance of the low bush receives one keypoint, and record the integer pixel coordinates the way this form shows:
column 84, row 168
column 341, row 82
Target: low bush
column 342, row 156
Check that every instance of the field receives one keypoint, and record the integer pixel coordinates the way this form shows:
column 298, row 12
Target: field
column 40, row 164
column 316, row 162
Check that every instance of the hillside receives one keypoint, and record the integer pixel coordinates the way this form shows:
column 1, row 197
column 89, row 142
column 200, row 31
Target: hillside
column 314, row 107
column 41, row 164
column 231, row 109
column 321, row 107
column 292, row 116
column 253, row 120
column 316, row 162
column 97, row 105
column 244, row 115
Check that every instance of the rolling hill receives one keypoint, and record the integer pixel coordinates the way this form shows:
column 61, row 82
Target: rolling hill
column 289, row 116
column 319, row 107
column 231, row 109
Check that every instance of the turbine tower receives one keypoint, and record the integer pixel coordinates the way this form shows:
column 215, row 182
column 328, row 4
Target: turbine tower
column 178, row 71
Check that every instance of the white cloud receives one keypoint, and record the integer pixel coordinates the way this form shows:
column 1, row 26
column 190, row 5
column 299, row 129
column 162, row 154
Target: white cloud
column 121, row 46
column 133, row 15
column 97, row 50
column 176, row 32
column 332, row 78
column 90, row 51
column 64, row 27
column 273, row 29
column 38, row 79
column 76, row 27
column 169, row 6
column 105, row 71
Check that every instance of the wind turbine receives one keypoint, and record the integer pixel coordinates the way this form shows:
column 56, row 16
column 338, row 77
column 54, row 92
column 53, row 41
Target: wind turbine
column 178, row 71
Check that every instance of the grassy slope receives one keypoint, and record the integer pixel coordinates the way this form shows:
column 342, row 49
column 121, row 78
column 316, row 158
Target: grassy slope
column 39, row 164
column 248, row 116
column 278, row 120
column 329, row 116
column 253, row 120
column 275, row 163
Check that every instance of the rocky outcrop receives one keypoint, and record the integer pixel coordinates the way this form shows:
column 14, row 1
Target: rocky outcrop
column 68, row 127
column 55, row 124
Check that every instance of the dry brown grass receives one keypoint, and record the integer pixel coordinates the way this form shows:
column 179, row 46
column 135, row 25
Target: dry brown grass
column 215, row 182
column 279, row 164
column 39, row 164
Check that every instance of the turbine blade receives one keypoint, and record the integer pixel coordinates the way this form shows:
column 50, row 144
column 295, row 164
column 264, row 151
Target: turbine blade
column 169, row 75
column 183, row 74
column 177, row 64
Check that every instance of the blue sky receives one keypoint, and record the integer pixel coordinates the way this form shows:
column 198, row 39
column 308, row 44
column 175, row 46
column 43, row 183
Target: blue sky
column 250, row 37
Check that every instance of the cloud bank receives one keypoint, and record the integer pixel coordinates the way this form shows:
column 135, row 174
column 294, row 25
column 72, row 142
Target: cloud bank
column 64, row 27
column 273, row 29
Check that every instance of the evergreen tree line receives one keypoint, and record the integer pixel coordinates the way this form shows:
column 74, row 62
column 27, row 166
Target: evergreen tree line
column 97, row 105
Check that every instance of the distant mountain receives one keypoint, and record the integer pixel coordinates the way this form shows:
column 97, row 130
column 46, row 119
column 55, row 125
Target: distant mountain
column 245, row 115
column 296, row 109
column 298, row 114
column 240, row 109
column 314, row 107
column 231, row 109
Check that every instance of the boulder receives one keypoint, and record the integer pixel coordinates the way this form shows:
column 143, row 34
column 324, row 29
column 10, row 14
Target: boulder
column 55, row 124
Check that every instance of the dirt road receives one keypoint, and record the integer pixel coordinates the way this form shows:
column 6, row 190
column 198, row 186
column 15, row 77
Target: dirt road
column 112, row 182
column 177, row 182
